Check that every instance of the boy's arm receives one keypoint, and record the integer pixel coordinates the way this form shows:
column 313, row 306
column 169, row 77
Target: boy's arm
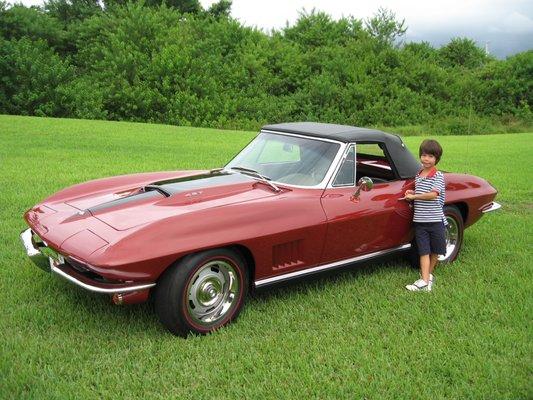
column 432, row 195
column 423, row 196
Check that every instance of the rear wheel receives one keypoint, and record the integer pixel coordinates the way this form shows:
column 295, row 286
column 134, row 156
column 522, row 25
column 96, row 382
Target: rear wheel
column 454, row 238
column 202, row 292
column 454, row 234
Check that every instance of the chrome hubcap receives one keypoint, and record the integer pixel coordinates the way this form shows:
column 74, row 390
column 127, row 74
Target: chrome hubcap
column 452, row 236
column 212, row 292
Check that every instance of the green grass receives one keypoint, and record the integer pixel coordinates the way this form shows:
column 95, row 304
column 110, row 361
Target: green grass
column 357, row 334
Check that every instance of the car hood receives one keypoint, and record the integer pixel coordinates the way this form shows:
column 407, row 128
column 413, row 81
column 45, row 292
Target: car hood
column 169, row 198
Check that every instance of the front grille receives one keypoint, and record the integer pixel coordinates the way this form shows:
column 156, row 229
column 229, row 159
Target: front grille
column 77, row 265
column 85, row 271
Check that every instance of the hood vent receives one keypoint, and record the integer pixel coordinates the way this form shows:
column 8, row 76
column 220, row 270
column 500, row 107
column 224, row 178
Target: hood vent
column 134, row 198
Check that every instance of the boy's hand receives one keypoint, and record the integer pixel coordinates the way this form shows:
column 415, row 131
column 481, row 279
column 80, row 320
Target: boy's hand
column 409, row 195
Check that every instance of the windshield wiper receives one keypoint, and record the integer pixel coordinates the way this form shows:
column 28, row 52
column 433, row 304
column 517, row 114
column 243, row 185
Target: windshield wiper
column 149, row 188
column 255, row 174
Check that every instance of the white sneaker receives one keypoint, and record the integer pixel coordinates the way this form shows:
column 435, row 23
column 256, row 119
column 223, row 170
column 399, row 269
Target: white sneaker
column 419, row 286
column 431, row 281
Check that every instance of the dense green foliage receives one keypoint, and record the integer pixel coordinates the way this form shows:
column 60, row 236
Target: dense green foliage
column 175, row 63
column 354, row 335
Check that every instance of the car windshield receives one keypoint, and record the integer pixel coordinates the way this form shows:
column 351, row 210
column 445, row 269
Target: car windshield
column 287, row 159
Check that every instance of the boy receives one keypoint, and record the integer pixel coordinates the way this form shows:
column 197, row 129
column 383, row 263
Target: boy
column 428, row 198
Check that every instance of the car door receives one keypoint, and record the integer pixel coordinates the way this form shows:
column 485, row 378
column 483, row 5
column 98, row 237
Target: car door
column 371, row 222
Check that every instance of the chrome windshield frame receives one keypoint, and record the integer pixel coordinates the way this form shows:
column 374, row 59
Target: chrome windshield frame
column 339, row 165
column 327, row 177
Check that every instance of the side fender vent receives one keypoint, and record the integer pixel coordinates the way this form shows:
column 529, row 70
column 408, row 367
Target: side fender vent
column 286, row 255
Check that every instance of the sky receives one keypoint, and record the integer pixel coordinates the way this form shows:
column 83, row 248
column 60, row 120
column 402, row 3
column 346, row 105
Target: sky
column 505, row 26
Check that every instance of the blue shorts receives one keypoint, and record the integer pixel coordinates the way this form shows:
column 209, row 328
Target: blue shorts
column 430, row 238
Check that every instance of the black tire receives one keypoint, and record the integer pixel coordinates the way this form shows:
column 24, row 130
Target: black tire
column 202, row 292
column 454, row 238
column 454, row 234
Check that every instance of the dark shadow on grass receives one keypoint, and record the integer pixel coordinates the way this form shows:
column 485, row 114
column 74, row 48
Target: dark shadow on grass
column 136, row 318
column 320, row 280
column 140, row 319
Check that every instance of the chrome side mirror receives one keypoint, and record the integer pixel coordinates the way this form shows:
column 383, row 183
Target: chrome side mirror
column 365, row 184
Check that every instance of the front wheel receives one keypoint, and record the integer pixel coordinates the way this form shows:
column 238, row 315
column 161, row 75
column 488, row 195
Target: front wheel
column 202, row 292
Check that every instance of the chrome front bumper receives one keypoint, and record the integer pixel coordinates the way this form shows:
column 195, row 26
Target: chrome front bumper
column 36, row 249
column 492, row 207
column 50, row 261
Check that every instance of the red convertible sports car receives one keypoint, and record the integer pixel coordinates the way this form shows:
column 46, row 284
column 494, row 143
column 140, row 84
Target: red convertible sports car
column 300, row 199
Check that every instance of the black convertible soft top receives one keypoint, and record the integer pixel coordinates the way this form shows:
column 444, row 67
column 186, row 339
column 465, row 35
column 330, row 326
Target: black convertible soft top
column 404, row 163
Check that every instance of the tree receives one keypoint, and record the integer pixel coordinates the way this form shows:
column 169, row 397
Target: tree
column 316, row 29
column 462, row 52
column 184, row 6
column 422, row 50
column 68, row 11
column 222, row 8
column 507, row 85
column 18, row 21
column 31, row 76
column 385, row 27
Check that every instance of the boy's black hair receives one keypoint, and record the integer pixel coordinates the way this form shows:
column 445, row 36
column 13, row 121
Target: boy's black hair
column 430, row 146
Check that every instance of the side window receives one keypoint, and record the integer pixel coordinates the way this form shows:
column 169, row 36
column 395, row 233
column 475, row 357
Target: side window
column 372, row 161
column 276, row 151
column 371, row 149
column 346, row 173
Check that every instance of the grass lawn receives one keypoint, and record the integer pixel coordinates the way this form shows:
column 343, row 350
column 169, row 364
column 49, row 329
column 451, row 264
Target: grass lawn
column 354, row 335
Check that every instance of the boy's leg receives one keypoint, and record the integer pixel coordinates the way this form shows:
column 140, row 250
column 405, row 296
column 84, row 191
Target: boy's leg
column 425, row 265
column 423, row 244
column 437, row 237
column 434, row 259
column 423, row 284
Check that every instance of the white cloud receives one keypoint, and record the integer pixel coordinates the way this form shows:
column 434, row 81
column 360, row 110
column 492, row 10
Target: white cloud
column 419, row 15
column 516, row 23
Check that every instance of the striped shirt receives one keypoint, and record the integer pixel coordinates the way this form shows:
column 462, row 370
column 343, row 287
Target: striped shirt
column 430, row 210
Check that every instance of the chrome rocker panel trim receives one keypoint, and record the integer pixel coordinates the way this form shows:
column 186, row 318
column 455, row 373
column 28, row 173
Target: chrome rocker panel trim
column 337, row 264
column 64, row 270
